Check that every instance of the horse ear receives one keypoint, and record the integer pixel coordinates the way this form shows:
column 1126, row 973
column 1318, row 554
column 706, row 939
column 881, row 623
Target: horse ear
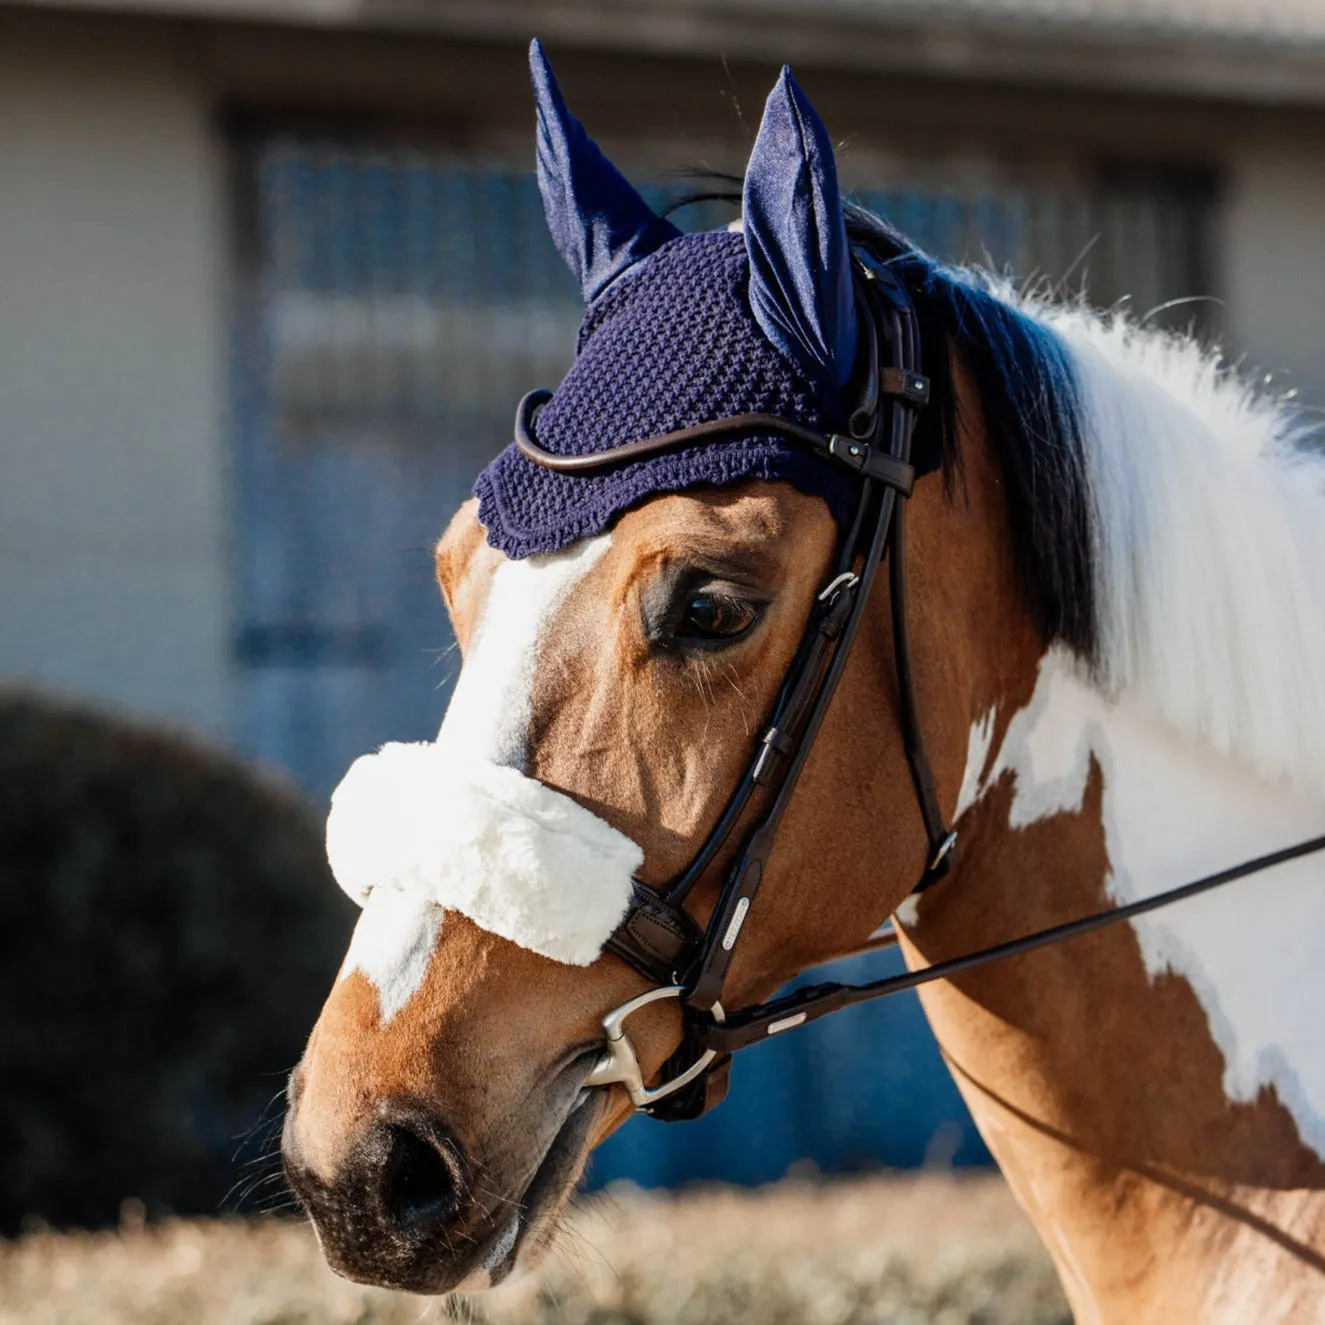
column 795, row 234
column 599, row 224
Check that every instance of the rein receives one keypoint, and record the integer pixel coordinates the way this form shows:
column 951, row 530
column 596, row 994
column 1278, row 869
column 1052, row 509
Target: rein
column 815, row 1001
column 658, row 937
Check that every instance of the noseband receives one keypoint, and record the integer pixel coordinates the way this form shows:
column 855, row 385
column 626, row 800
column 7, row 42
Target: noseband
column 658, row 937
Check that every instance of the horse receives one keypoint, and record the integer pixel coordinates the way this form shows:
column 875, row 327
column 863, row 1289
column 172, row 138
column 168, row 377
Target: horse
column 1106, row 676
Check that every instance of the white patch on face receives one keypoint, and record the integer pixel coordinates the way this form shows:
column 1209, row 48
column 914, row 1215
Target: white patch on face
column 490, row 711
column 457, row 825
column 392, row 946
column 1253, row 952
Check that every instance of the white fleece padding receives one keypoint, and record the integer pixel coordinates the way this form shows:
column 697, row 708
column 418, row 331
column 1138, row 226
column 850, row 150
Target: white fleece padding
column 518, row 858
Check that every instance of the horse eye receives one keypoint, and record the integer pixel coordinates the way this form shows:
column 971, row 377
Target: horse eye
column 711, row 616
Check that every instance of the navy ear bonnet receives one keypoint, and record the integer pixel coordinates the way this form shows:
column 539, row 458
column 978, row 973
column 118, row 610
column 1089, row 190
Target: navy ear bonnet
column 683, row 329
column 671, row 344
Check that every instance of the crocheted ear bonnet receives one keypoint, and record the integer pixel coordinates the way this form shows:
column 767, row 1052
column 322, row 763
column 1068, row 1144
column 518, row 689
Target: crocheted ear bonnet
column 683, row 329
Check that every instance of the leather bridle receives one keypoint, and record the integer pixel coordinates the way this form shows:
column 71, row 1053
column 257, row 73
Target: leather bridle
column 658, row 937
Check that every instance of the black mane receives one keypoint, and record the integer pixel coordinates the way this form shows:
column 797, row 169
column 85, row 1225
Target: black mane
column 1031, row 399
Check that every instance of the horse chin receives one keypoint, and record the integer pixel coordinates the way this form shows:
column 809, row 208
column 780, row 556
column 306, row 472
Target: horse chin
column 518, row 1243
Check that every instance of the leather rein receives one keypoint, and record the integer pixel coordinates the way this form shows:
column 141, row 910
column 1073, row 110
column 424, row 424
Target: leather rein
column 658, row 937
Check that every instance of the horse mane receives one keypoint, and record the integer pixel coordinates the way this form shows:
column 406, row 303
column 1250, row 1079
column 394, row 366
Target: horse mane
column 1168, row 517
column 1032, row 408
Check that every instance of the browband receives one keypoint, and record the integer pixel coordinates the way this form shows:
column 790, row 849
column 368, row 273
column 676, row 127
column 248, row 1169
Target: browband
column 856, row 454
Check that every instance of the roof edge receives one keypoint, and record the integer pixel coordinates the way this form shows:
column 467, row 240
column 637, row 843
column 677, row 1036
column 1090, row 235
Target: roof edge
column 1149, row 58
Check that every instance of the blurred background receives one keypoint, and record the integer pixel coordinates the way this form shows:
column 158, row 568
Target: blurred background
column 272, row 278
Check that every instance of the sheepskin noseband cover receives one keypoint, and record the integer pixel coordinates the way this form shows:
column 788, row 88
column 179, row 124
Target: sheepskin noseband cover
column 518, row 858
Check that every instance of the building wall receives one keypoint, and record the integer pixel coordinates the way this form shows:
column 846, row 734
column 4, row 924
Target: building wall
column 1274, row 267
column 115, row 574
column 113, row 565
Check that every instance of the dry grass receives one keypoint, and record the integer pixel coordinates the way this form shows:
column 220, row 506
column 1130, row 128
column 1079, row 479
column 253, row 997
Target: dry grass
column 933, row 1249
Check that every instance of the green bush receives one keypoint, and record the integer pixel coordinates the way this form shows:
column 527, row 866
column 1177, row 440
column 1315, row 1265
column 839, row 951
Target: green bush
column 168, row 930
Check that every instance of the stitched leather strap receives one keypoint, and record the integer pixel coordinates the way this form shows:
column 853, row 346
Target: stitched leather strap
column 852, row 452
column 658, row 939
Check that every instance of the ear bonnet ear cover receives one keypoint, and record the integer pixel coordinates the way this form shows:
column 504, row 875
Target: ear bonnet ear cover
column 599, row 224
column 683, row 329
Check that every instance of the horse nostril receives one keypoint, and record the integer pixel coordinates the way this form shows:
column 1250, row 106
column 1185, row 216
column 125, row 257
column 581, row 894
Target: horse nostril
column 420, row 1190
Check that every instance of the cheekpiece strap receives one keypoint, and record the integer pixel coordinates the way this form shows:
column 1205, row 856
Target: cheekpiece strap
column 658, row 937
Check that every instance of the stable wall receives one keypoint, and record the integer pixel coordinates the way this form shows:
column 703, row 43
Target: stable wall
column 1274, row 230
column 114, row 223
column 113, row 570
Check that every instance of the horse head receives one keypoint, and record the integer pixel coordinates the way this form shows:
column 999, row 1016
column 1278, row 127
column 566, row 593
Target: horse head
column 661, row 593
column 625, row 637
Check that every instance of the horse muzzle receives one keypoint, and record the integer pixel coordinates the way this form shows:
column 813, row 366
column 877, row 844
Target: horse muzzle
column 407, row 1207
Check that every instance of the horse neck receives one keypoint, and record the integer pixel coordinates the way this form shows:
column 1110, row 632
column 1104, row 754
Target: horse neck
column 1155, row 1092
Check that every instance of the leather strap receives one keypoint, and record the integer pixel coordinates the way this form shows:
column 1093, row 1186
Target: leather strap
column 658, row 939
column 750, row 1025
column 849, row 451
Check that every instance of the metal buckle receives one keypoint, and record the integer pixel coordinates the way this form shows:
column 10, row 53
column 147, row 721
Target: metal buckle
column 620, row 1066
column 848, row 578
column 943, row 849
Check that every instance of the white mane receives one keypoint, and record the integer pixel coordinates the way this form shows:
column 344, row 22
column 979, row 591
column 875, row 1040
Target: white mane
column 1209, row 545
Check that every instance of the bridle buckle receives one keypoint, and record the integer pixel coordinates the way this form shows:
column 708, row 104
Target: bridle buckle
column 944, row 851
column 848, row 580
